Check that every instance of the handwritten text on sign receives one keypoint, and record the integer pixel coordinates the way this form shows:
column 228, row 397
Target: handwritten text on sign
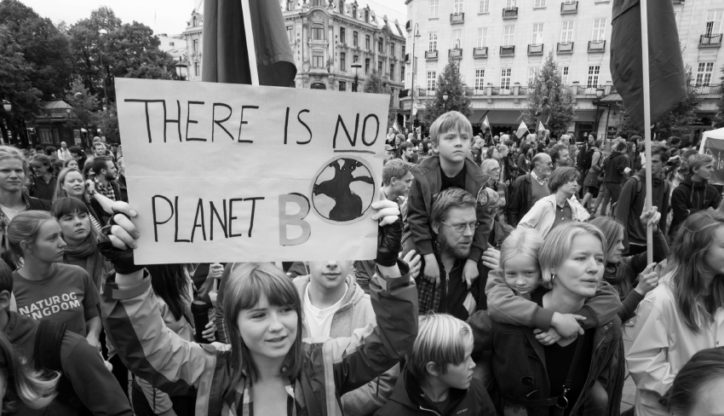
column 229, row 172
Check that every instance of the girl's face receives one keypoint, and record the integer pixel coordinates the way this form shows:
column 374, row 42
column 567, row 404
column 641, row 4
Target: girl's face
column 522, row 274
column 617, row 251
column 73, row 164
column 581, row 272
column 268, row 331
column 49, row 244
column 73, row 184
column 75, row 226
column 715, row 255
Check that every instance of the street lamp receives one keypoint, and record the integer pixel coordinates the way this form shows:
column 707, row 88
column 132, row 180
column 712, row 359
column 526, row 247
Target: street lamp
column 444, row 102
column 7, row 106
column 355, row 84
column 182, row 71
column 415, row 35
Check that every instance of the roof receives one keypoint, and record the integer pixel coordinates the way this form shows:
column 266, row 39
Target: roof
column 55, row 105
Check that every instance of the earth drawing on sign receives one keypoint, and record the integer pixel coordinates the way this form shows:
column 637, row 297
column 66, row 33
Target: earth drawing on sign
column 343, row 190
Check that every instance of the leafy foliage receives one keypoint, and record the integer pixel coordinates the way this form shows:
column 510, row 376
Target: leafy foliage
column 549, row 101
column 719, row 118
column 449, row 85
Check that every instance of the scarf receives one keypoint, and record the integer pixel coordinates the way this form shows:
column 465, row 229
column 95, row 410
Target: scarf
column 86, row 255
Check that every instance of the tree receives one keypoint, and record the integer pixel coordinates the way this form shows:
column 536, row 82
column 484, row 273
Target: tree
column 107, row 122
column 549, row 101
column 449, row 95
column 375, row 84
column 719, row 118
column 84, row 105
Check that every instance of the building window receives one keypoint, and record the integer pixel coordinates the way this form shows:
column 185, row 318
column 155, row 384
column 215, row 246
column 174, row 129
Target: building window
column 479, row 79
column 593, row 72
column 599, row 29
column 567, row 31
column 482, row 37
column 367, row 65
column 392, row 49
column 368, row 43
column 342, row 61
column 509, row 35
column 290, row 34
column 392, row 72
column 317, row 33
column 505, row 78
column 537, row 34
column 434, row 5
column 713, row 22
column 402, row 73
column 318, row 61
column 539, row 4
column 194, row 21
column 458, row 7
column 195, row 46
column 196, row 68
column 533, row 72
column 432, row 45
column 380, row 45
column 355, row 59
column 511, row 3
column 457, row 38
column 355, row 39
column 342, row 37
column 342, row 86
column 379, row 66
column 564, row 75
column 703, row 74
column 317, row 3
column 484, row 6
column 367, row 15
column 431, row 82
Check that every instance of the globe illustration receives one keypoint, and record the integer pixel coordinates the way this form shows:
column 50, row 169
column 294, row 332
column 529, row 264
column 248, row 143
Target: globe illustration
column 343, row 190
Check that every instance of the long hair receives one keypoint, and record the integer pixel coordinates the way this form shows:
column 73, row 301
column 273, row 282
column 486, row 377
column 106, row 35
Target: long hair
column 70, row 206
column 59, row 191
column 704, row 367
column 244, row 286
column 612, row 229
column 688, row 263
column 24, row 227
column 170, row 284
column 33, row 388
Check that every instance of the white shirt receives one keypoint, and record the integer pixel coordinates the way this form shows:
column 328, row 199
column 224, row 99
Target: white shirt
column 319, row 321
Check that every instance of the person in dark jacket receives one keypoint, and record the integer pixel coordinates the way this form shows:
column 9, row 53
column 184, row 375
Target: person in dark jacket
column 615, row 171
column 438, row 378
column 694, row 193
column 529, row 188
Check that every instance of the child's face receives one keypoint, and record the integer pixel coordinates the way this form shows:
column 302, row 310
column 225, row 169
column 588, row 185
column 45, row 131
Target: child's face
column 454, row 146
column 459, row 376
column 522, row 274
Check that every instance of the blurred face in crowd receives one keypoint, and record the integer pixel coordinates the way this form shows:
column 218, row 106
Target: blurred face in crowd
column 49, row 245
column 704, row 171
column 330, row 274
column 99, row 149
column 12, row 175
column 657, row 166
column 401, row 186
column 569, row 188
column 616, row 253
column 715, row 254
column 459, row 376
column 111, row 171
column 522, row 274
column 73, row 184
column 75, row 227
column 455, row 233
column 544, row 166
column 454, row 146
column 581, row 271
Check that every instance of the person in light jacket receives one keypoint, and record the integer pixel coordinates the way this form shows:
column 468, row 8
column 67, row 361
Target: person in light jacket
column 683, row 315
column 558, row 207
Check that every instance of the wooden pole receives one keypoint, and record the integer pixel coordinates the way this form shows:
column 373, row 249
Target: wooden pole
column 647, row 126
column 250, row 46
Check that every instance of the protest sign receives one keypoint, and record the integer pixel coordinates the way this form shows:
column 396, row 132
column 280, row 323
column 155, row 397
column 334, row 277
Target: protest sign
column 712, row 144
column 231, row 172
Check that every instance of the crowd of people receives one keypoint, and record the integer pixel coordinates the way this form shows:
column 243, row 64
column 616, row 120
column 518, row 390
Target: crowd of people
column 509, row 271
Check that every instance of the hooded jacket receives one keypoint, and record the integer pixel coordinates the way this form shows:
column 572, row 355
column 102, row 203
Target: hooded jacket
column 630, row 205
column 542, row 215
column 408, row 399
column 94, row 386
column 690, row 197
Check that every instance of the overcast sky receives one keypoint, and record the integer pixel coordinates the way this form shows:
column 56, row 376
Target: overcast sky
column 164, row 16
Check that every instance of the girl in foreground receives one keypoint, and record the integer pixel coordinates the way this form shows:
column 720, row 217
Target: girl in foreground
column 267, row 370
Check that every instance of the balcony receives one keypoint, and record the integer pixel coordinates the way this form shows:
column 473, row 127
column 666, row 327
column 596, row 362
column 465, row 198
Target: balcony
column 457, row 18
column 507, row 51
column 480, row 53
column 455, row 53
column 710, row 40
column 535, row 49
column 569, row 8
column 510, row 13
column 596, row 46
column 431, row 55
column 564, row 48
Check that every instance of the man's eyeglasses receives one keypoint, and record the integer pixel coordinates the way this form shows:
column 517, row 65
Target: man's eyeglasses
column 461, row 228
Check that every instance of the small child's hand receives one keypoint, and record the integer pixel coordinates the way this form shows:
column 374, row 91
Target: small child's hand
column 549, row 337
column 432, row 270
column 567, row 324
column 470, row 272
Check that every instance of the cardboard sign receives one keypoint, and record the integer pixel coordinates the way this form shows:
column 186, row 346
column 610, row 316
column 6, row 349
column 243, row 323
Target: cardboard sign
column 230, row 172
column 714, row 147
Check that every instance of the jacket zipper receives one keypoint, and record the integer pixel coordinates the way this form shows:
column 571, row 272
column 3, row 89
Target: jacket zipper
column 424, row 409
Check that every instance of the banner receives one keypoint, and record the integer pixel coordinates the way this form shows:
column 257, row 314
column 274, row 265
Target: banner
column 231, row 172
column 714, row 147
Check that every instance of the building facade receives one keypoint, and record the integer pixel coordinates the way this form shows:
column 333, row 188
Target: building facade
column 338, row 44
column 501, row 45
column 193, row 36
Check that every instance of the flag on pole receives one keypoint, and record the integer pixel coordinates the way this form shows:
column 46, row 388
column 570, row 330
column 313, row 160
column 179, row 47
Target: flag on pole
column 667, row 74
column 540, row 126
column 486, row 123
column 225, row 57
column 522, row 130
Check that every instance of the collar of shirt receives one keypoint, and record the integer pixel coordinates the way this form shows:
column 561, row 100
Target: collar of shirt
column 537, row 179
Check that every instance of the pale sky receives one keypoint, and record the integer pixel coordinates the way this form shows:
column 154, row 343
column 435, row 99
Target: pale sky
column 164, row 16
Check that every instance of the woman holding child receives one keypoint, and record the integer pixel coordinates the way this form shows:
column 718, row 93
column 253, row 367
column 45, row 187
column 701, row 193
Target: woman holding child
column 544, row 371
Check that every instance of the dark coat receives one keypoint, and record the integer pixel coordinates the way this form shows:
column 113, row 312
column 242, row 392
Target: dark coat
column 690, row 197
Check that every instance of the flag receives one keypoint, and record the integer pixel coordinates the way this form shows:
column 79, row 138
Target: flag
column 486, row 123
column 522, row 130
column 666, row 68
column 225, row 56
column 540, row 126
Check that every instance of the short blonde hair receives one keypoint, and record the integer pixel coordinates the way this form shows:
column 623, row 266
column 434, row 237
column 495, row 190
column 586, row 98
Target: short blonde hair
column 452, row 120
column 12, row 152
column 559, row 243
column 521, row 242
column 441, row 339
